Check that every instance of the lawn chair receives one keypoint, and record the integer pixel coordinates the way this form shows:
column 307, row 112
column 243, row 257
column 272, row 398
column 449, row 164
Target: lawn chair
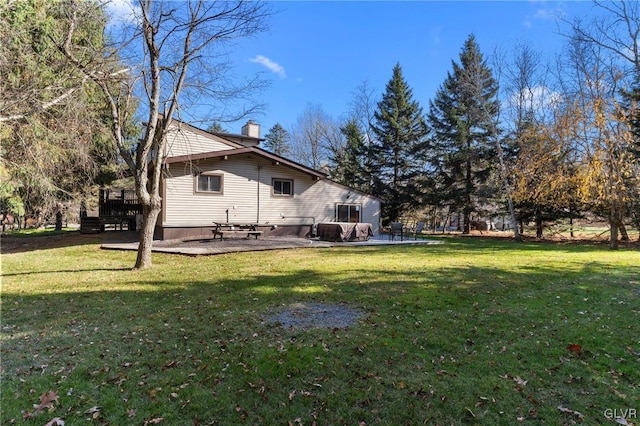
column 397, row 229
column 418, row 230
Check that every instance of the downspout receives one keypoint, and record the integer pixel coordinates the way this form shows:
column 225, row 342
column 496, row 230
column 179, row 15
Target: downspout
column 258, row 195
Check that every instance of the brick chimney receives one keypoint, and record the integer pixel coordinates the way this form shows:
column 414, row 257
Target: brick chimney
column 251, row 129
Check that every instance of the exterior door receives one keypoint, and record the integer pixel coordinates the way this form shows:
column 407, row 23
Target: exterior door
column 348, row 213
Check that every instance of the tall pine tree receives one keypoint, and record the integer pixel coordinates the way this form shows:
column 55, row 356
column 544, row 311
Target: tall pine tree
column 462, row 120
column 350, row 160
column 277, row 140
column 400, row 131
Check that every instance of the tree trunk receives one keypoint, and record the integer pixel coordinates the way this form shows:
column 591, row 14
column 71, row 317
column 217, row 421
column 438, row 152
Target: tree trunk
column 467, row 223
column 613, row 243
column 468, row 188
column 149, row 218
column 614, row 223
column 571, row 225
column 58, row 220
column 623, row 232
column 447, row 220
column 538, row 223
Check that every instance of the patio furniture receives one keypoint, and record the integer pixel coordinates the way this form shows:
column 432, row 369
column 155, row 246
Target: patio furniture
column 222, row 229
column 344, row 231
column 397, row 229
column 418, row 230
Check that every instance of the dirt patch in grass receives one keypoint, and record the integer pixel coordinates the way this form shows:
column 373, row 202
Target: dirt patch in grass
column 306, row 316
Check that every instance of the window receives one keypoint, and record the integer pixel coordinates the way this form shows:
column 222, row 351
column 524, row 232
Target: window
column 283, row 187
column 348, row 213
column 210, row 183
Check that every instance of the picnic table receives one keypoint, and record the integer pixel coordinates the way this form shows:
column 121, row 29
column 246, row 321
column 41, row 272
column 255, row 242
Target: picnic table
column 233, row 229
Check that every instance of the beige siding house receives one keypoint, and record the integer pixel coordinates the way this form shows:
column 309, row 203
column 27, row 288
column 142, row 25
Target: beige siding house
column 227, row 178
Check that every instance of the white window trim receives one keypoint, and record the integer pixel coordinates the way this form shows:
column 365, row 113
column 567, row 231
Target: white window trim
column 357, row 206
column 273, row 193
column 199, row 192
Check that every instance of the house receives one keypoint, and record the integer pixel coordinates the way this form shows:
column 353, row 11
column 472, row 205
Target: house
column 221, row 177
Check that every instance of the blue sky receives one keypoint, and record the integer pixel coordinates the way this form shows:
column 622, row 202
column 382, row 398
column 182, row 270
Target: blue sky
column 320, row 52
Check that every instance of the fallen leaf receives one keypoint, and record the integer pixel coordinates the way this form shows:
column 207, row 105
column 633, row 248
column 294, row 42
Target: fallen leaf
column 94, row 411
column 56, row 421
column 169, row 365
column 576, row 349
column 572, row 412
column 46, row 401
column 155, row 421
column 519, row 381
column 131, row 412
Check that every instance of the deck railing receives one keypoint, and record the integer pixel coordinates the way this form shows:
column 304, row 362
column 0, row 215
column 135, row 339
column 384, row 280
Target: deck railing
column 119, row 203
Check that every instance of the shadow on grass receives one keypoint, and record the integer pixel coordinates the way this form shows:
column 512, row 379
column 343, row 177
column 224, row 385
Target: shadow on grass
column 427, row 328
column 65, row 271
column 253, row 294
column 17, row 243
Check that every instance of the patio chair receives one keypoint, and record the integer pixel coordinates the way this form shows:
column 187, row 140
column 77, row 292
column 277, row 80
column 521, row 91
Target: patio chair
column 417, row 231
column 397, row 229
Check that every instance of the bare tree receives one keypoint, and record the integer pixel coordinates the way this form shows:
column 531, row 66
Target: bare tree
column 179, row 52
column 528, row 101
column 616, row 30
column 362, row 108
column 312, row 135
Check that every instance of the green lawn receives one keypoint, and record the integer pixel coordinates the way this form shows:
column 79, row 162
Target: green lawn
column 471, row 331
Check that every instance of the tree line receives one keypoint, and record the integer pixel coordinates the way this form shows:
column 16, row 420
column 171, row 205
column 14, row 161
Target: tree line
column 536, row 141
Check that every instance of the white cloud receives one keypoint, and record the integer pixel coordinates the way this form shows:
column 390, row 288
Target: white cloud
column 538, row 99
column 122, row 11
column 543, row 15
column 271, row 65
column 549, row 14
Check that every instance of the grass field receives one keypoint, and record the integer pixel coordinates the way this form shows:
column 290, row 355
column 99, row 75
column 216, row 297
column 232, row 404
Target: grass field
column 473, row 331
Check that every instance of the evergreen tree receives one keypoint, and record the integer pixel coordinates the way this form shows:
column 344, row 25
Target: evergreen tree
column 462, row 118
column 350, row 159
column 400, row 131
column 632, row 106
column 277, row 140
column 54, row 130
column 216, row 127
